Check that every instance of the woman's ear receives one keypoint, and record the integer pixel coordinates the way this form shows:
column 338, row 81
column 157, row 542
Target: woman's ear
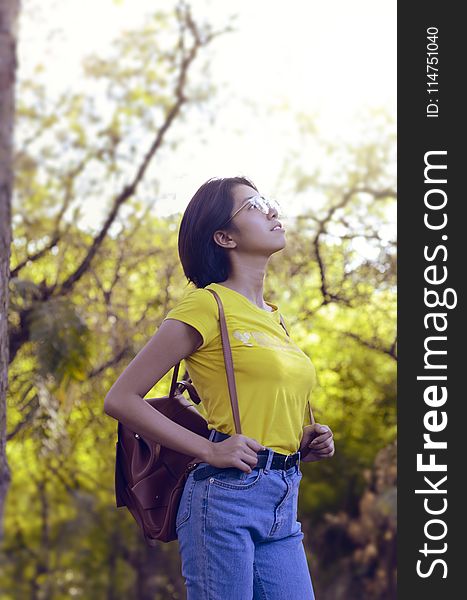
column 223, row 239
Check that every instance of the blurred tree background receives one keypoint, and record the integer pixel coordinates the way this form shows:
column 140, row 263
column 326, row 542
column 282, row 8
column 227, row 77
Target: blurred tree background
column 83, row 301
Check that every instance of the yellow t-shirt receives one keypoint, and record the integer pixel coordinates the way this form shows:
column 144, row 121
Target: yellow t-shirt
column 274, row 378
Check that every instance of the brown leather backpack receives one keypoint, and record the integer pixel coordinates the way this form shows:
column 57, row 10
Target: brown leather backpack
column 149, row 477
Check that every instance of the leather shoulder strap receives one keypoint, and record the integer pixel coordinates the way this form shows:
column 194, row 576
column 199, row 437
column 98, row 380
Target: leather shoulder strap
column 283, row 324
column 228, row 366
column 229, row 369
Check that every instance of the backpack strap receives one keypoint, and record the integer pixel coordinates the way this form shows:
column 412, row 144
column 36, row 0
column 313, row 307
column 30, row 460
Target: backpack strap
column 283, row 324
column 228, row 366
column 229, row 369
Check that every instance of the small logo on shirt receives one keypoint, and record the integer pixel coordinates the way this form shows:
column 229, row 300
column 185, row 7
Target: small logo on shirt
column 243, row 337
column 260, row 338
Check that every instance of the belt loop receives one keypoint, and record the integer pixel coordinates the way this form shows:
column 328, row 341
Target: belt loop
column 269, row 460
column 212, row 435
column 298, row 461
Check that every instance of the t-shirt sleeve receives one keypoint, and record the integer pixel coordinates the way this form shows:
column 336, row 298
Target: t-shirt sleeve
column 198, row 308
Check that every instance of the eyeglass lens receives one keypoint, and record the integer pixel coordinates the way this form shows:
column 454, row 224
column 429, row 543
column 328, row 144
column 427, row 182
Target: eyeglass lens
column 268, row 203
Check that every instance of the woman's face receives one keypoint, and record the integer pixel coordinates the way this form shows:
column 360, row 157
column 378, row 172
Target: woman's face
column 255, row 232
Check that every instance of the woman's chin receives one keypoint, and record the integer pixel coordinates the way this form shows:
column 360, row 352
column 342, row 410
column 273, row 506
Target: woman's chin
column 279, row 247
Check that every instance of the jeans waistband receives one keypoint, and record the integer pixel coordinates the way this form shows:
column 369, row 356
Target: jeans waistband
column 267, row 459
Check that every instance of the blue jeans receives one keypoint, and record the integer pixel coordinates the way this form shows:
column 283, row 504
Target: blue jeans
column 239, row 537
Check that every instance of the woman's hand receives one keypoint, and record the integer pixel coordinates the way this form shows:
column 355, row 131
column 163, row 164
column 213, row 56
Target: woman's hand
column 317, row 443
column 237, row 451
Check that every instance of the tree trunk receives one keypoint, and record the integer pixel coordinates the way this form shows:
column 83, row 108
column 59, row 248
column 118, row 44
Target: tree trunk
column 8, row 23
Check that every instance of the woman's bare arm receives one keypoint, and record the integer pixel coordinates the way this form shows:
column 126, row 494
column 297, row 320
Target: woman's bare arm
column 173, row 341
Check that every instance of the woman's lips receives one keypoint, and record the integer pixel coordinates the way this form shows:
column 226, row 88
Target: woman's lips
column 279, row 226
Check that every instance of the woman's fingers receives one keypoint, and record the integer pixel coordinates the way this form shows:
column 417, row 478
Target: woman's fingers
column 327, row 451
column 320, row 440
column 324, row 453
column 326, row 444
column 322, row 446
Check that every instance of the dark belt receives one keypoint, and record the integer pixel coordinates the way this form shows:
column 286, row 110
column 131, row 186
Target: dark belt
column 279, row 461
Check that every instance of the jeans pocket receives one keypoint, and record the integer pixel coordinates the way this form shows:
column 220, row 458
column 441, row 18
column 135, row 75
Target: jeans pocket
column 184, row 507
column 237, row 479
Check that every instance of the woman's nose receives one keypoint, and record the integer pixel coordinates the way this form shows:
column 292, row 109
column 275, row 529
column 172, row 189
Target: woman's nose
column 272, row 212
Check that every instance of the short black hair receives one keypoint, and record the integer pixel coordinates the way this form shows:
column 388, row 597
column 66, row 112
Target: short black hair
column 203, row 260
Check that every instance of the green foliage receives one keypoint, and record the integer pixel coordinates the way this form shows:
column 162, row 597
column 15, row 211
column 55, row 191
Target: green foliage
column 62, row 340
column 116, row 306
column 64, row 535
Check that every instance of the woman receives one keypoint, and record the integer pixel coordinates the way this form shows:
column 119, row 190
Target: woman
column 237, row 525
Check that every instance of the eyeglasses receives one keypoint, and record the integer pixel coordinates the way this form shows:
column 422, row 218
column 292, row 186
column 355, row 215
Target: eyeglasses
column 261, row 203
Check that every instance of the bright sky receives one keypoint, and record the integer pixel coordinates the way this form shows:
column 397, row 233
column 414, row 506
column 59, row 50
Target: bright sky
column 335, row 58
